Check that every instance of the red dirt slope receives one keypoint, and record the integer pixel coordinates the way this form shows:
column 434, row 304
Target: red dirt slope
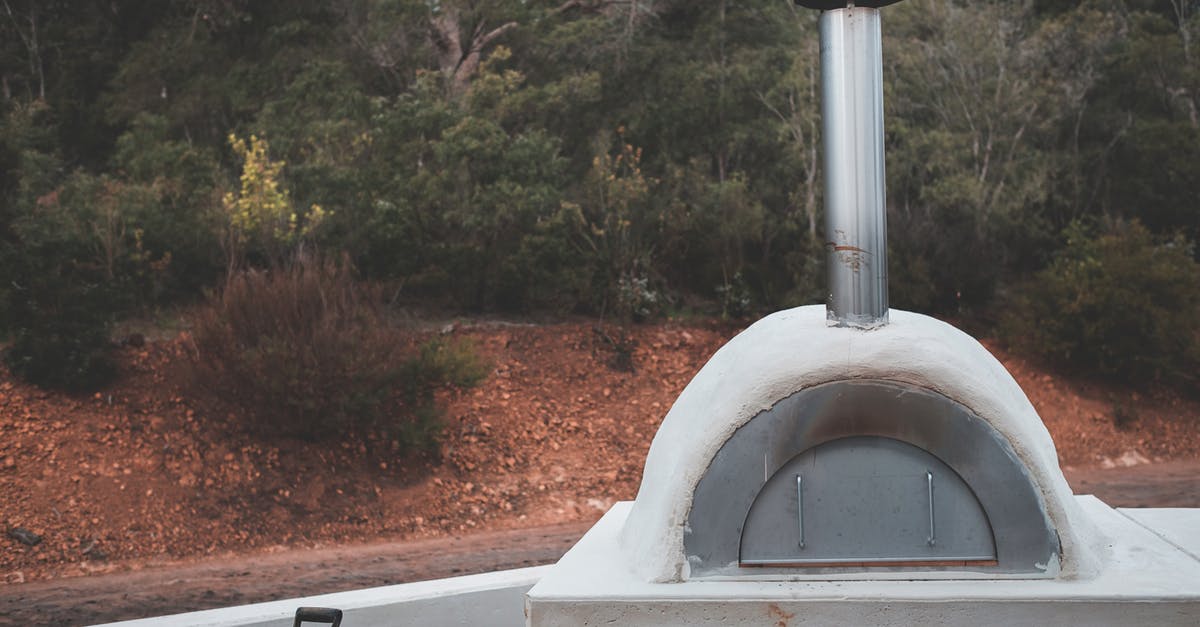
column 143, row 473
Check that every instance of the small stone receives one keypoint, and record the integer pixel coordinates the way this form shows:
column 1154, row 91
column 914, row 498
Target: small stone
column 24, row 536
column 10, row 462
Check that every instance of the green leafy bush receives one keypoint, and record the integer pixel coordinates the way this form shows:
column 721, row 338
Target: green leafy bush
column 1116, row 304
column 438, row 364
column 59, row 333
column 75, row 261
column 307, row 352
column 56, row 301
column 169, row 191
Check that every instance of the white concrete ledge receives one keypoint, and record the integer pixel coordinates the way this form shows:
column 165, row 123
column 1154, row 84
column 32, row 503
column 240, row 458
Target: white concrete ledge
column 1153, row 578
column 493, row 599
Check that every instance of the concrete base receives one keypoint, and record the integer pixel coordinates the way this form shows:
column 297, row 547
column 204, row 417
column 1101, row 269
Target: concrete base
column 1150, row 575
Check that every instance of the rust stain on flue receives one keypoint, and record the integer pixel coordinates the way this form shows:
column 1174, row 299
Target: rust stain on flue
column 854, row 256
column 843, row 248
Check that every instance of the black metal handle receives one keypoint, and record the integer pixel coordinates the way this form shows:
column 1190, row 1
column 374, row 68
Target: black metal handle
column 318, row 615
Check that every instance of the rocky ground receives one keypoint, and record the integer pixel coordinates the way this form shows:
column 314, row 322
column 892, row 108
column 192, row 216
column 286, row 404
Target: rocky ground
column 147, row 475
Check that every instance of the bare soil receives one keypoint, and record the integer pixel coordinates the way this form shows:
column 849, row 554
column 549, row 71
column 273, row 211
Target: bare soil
column 148, row 498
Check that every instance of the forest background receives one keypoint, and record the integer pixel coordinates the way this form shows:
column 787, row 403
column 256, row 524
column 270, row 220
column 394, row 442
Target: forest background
column 628, row 159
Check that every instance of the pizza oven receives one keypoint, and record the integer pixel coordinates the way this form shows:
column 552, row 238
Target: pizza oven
column 851, row 464
column 850, row 441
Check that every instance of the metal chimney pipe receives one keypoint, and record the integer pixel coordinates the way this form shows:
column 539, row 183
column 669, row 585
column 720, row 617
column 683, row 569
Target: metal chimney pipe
column 852, row 123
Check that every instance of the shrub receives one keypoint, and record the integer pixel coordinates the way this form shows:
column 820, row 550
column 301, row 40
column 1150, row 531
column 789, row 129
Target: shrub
column 59, row 334
column 1117, row 304
column 307, row 352
column 438, row 364
column 58, row 299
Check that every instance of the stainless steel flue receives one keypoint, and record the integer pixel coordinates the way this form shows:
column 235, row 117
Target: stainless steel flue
column 852, row 123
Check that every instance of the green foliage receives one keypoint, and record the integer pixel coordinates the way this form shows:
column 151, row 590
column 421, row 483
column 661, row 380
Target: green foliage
column 616, row 228
column 176, row 221
column 1115, row 304
column 467, row 198
column 969, row 163
column 261, row 216
column 58, row 322
column 1158, row 171
column 308, row 351
column 438, row 365
column 454, row 363
column 465, row 151
column 80, row 249
column 57, row 305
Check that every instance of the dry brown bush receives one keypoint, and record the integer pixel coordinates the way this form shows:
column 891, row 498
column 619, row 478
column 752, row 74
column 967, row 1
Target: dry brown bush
column 307, row 351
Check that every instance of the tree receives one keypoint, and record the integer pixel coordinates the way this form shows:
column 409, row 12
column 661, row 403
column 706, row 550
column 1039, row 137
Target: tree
column 261, row 216
column 616, row 228
column 1187, row 92
column 459, row 32
column 24, row 23
column 1146, row 170
column 977, row 96
column 56, row 303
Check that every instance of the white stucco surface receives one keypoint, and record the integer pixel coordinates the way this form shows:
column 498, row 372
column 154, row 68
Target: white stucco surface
column 1146, row 580
column 1179, row 526
column 795, row 349
column 494, row 599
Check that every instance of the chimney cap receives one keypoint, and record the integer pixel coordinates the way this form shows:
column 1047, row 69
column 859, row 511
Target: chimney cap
column 829, row 5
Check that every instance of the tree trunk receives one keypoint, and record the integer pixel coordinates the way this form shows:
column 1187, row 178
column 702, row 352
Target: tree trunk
column 35, row 53
column 30, row 40
column 459, row 60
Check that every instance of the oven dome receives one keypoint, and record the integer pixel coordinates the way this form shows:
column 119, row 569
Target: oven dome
column 794, row 353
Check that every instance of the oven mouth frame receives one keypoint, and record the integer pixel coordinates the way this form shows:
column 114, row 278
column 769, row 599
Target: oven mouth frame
column 1026, row 543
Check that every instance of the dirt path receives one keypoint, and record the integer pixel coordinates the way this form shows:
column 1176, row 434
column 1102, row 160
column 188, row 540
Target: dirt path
column 1169, row 484
column 170, row 588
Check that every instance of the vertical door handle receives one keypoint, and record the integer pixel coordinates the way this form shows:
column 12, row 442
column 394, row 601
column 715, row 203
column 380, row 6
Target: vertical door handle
column 800, row 507
column 929, row 485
